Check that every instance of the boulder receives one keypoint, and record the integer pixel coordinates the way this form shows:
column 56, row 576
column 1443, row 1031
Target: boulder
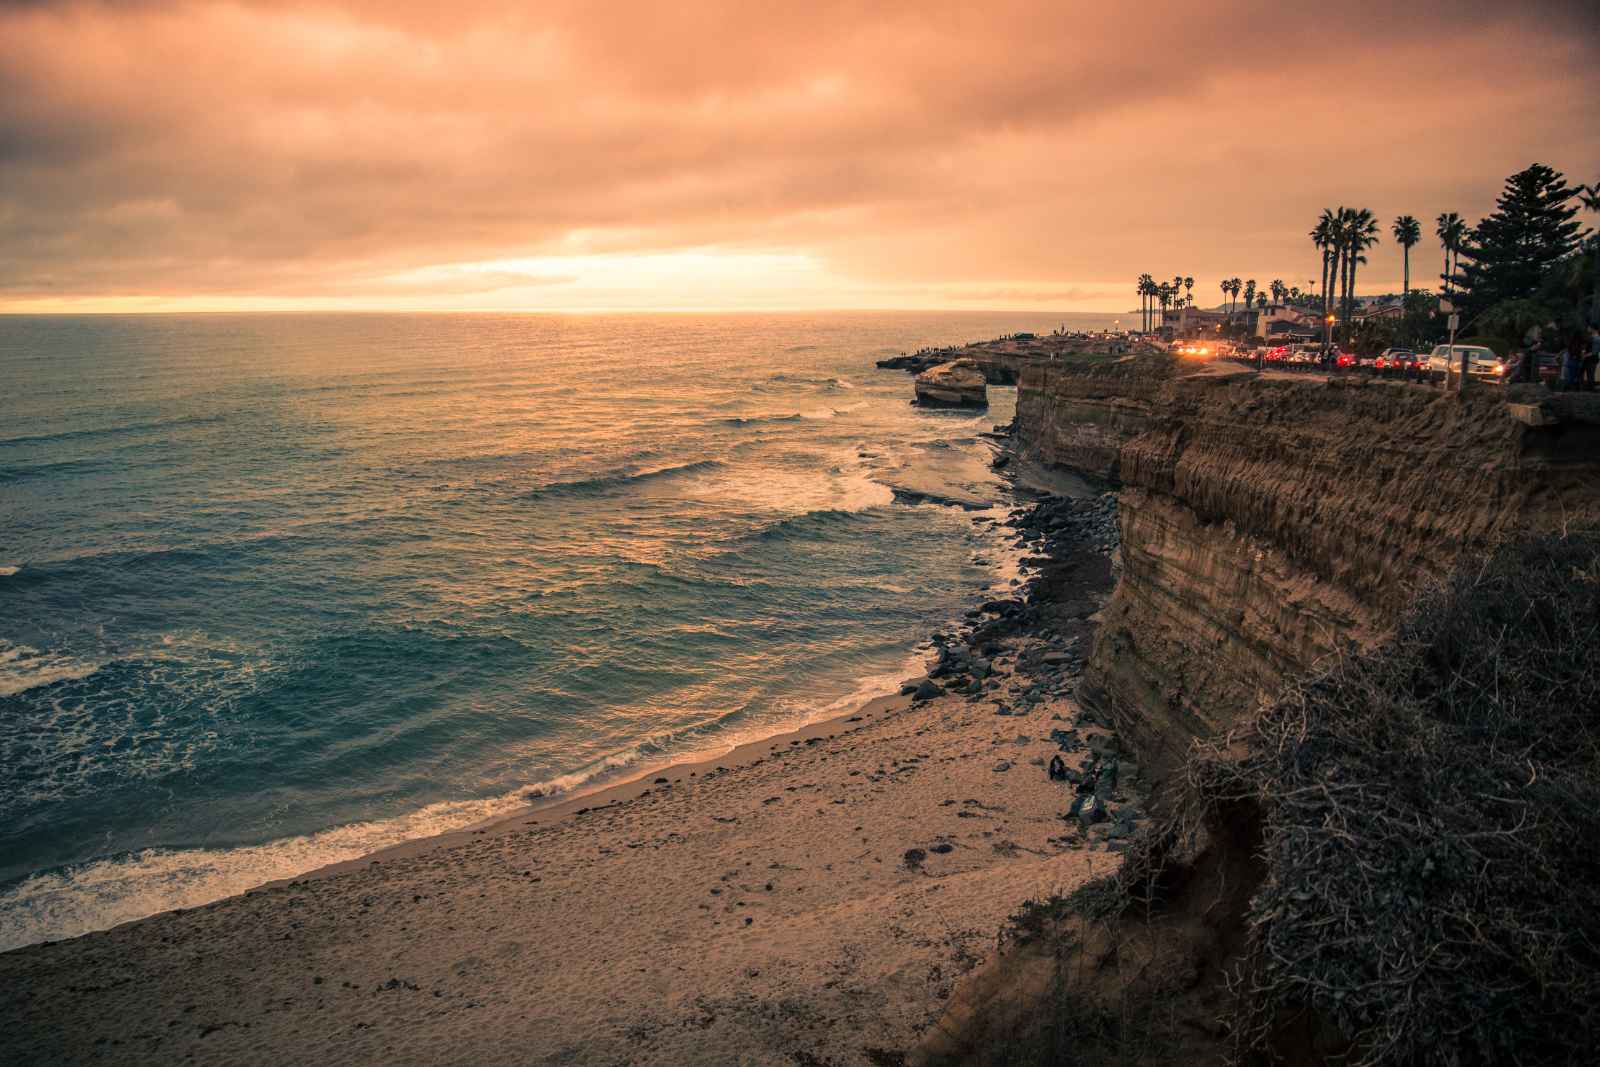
column 1532, row 414
column 957, row 384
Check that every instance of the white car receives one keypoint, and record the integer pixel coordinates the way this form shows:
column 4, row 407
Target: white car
column 1480, row 361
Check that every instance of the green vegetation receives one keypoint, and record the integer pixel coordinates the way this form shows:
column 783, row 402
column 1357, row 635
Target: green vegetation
column 1415, row 327
column 1179, row 292
column 1509, row 254
column 1523, row 268
column 1407, row 232
column 1449, row 228
column 1101, row 898
column 1528, row 271
column 1343, row 236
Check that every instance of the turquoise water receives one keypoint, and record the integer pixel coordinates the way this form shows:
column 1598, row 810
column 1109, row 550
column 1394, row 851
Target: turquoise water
column 279, row 590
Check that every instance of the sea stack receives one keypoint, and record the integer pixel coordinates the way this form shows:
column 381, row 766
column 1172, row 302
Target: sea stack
column 957, row 384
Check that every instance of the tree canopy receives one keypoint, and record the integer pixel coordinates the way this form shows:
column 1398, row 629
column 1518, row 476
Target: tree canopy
column 1508, row 255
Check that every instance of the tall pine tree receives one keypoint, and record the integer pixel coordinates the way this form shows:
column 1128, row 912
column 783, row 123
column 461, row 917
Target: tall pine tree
column 1509, row 253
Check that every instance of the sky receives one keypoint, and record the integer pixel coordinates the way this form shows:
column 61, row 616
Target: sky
column 377, row 154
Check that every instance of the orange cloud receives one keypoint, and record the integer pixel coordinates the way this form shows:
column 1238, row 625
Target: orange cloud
column 907, row 153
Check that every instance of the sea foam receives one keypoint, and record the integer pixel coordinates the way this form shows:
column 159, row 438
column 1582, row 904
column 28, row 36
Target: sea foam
column 23, row 668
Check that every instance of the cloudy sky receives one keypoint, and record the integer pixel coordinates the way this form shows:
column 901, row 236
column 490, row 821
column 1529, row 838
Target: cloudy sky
column 479, row 154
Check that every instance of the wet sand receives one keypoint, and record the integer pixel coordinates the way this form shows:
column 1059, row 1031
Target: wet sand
column 764, row 907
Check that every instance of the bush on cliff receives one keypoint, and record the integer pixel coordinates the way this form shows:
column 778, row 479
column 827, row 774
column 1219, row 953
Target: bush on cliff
column 1428, row 816
column 1393, row 863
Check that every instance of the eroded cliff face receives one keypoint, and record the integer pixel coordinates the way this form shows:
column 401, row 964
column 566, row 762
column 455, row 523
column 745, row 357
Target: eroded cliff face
column 1266, row 523
column 1078, row 416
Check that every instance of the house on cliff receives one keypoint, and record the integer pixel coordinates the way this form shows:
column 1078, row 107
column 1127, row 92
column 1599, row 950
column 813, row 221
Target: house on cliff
column 1187, row 321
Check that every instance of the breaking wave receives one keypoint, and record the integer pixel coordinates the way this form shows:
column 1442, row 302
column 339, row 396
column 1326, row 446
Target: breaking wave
column 23, row 668
column 618, row 479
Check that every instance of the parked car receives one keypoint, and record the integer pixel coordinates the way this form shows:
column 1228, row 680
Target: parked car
column 1344, row 360
column 1480, row 361
column 1394, row 360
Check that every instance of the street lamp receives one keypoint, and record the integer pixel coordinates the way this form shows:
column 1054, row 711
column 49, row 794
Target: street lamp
column 1327, row 336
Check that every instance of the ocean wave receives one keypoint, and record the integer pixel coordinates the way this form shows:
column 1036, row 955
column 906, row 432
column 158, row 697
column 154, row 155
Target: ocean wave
column 795, row 492
column 806, row 525
column 602, row 482
column 751, row 420
column 47, row 470
column 23, row 668
column 801, row 379
column 110, row 431
column 102, row 893
column 789, row 416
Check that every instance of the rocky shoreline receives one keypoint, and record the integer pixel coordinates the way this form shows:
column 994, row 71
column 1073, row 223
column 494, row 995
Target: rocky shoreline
column 1042, row 639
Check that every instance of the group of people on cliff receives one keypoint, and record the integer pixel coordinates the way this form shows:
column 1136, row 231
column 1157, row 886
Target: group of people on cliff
column 1575, row 362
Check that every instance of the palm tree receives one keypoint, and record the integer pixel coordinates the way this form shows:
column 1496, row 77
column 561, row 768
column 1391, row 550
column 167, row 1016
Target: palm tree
column 1361, row 234
column 1407, row 232
column 1450, row 229
column 1188, row 285
column 1294, row 294
column 1234, row 287
column 1147, row 290
column 1325, row 237
column 1227, row 289
column 1161, row 295
column 1249, row 293
column 1346, row 219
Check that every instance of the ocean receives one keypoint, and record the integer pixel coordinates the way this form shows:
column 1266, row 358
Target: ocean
column 280, row 590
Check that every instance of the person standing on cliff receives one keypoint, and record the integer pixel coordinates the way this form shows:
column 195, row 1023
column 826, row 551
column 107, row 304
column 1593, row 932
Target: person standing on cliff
column 1572, row 363
column 1513, row 367
column 1591, row 359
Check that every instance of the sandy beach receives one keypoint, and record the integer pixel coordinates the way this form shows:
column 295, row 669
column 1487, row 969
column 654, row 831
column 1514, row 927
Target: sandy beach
column 810, row 898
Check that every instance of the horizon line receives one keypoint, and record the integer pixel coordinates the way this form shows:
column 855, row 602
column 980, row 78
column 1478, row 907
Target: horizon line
column 559, row 311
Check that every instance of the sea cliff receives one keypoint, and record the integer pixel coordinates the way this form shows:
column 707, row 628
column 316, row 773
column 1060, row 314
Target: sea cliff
column 1269, row 522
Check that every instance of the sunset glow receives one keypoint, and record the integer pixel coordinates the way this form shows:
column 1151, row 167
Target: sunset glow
column 716, row 155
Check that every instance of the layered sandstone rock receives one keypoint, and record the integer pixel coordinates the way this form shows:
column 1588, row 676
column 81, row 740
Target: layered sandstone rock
column 1267, row 524
column 957, row 384
column 1078, row 415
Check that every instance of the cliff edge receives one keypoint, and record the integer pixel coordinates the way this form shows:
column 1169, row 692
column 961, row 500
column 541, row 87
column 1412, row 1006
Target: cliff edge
column 1269, row 522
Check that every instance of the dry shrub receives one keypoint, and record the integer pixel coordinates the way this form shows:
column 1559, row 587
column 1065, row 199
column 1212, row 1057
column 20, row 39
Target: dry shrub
column 1430, row 829
column 1394, row 863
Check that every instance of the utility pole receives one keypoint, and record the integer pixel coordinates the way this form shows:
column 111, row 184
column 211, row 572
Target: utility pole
column 1455, row 321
